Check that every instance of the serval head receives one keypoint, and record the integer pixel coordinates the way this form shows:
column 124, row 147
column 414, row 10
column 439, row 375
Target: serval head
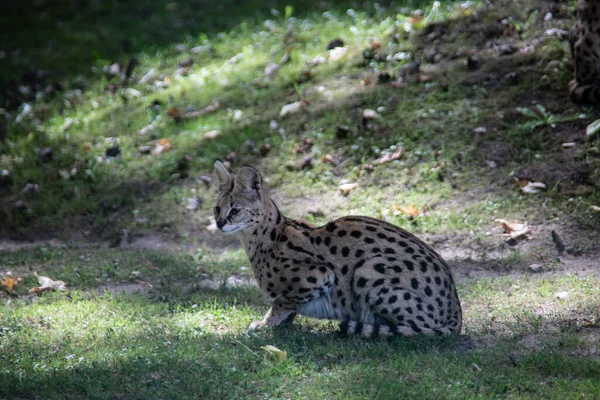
column 241, row 200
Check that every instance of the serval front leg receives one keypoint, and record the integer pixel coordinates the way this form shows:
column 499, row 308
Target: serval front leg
column 282, row 311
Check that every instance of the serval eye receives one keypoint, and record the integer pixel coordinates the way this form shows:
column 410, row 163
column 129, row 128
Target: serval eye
column 234, row 211
column 217, row 210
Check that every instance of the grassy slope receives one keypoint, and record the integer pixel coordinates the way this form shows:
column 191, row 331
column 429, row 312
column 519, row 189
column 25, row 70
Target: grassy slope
column 183, row 340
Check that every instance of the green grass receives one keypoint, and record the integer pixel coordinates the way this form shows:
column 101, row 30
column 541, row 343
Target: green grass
column 176, row 343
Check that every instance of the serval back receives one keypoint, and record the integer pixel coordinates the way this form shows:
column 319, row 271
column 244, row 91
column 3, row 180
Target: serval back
column 376, row 278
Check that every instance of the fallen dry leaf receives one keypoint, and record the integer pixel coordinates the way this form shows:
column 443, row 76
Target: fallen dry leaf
column 529, row 187
column 370, row 114
column 410, row 210
column 277, row 355
column 338, row 53
column 346, row 188
column 47, row 284
column 174, row 113
column 8, row 283
column 387, row 157
column 162, row 146
column 293, row 108
column 210, row 135
column 327, row 158
column 595, row 208
column 514, row 229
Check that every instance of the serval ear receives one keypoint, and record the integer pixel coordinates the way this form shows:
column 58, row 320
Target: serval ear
column 225, row 177
column 249, row 182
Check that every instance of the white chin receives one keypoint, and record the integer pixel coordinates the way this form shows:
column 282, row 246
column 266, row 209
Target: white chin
column 230, row 229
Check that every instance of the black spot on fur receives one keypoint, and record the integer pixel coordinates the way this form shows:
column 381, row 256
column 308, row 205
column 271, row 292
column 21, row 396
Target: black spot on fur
column 371, row 228
column 345, row 251
column 342, row 233
column 395, row 281
column 369, row 240
column 378, row 282
column 295, row 279
column 392, row 299
column 409, row 265
column 283, row 238
column 414, row 283
column 333, row 250
column 318, row 240
column 273, row 234
column 311, row 279
column 428, row 291
column 344, row 270
column 382, row 236
column 327, row 241
column 330, row 227
column 389, row 251
column 356, row 234
column 359, row 253
column 406, row 296
column 361, row 282
column 379, row 268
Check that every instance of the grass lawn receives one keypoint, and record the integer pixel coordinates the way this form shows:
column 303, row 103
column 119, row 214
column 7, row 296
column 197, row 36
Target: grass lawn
column 113, row 113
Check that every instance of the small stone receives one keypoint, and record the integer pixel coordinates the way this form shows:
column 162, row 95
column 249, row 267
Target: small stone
column 370, row 114
column 145, row 149
column 507, row 49
column 535, row 268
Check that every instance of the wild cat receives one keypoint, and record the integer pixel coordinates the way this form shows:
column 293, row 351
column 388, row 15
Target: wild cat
column 376, row 278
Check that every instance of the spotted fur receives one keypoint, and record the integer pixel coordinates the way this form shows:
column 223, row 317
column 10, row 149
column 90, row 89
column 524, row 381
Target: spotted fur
column 585, row 50
column 376, row 278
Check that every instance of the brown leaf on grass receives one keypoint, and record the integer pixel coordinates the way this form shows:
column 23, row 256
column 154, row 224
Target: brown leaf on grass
column 212, row 107
column 8, row 283
column 327, row 158
column 409, row 210
column 210, row 135
column 586, row 323
column 276, row 355
column 304, row 147
column 162, row 146
column 293, row 108
column 595, row 208
column 346, row 188
column 416, row 19
column 174, row 113
column 47, row 284
column 529, row 187
column 514, row 229
column 387, row 157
